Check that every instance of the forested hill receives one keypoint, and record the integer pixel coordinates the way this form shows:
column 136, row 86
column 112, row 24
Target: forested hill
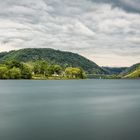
column 53, row 56
column 115, row 70
column 132, row 72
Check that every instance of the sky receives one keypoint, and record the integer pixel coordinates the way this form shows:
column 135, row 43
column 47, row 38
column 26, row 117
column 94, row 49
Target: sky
column 105, row 31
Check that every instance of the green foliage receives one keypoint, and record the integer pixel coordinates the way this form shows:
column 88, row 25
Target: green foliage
column 15, row 70
column 54, row 69
column 14, row 73
column 26, row 72
column 40, row 67
column 14, row 63
column 75, row 73
column 114, row 71
column 131, row 69
column 50, row 70
column 132, row 72
column 133, row 75
column 57, row 69
column 3, row 72
column 54, row 64
column 65, row 59
column 2, row 54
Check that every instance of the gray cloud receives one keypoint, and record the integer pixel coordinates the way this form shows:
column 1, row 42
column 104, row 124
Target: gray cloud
column 104, row 31
column 128, row 5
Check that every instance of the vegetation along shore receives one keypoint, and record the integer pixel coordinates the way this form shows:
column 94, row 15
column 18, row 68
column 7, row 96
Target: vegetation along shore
column 54, row 64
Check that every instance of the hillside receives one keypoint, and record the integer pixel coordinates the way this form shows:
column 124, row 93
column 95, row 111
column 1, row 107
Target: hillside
column 53, row 56
column 133, row 75
column 132, row 72
column 114, row 70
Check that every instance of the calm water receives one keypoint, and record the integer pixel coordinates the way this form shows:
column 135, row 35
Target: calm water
column 70, row 110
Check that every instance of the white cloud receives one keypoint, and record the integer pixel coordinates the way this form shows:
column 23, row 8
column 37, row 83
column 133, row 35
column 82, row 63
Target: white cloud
column 96, row 30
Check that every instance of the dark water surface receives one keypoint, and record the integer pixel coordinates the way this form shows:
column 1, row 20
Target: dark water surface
column 70, row 110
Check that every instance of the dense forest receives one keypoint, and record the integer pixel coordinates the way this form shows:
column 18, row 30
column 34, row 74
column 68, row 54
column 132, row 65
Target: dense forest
column 65, row 59
column 54, row 64
column 114, row 70
column 38, row 70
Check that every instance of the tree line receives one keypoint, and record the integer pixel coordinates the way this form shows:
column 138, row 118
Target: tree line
column 39, row 69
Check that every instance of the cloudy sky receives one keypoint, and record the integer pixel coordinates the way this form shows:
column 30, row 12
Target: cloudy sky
column 105, row 31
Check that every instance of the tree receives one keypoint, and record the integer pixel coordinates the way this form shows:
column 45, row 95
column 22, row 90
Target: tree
column 14, row 73
column 54, row 69
column 50, row 70
column 37, row 68
column 3, row 72
column 40, row 67
column 26, row 72
column 75, row 73
column 13, row 63
column 44, row 67
column 57, row 69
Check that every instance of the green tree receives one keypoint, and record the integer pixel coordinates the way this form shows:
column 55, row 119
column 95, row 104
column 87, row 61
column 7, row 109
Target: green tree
column 3, row 72
column 54, row 69
column 26, row 72
column 57, row 69
column 75, row 73
column 14, row 73
column 44, row 67
column 50, row 70
column 40, row 67
column 14, row 63
column 37, row 68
